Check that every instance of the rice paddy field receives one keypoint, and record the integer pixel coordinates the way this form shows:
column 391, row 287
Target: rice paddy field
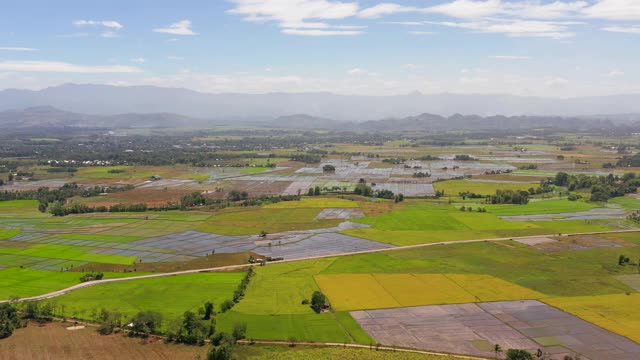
column 519, row 255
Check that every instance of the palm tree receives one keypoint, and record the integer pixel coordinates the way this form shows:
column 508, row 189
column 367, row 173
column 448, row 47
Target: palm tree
column 497, row 349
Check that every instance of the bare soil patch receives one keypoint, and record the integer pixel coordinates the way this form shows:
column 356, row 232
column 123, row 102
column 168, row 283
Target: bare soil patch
column 54, row 341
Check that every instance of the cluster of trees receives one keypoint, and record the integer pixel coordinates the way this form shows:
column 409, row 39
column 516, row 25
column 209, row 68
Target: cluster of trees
column 236, row 195
column 314, row 191
column 328, row 168
column 634, row 216
column 528, row 167
column 238, row 294
column 9, row 320
column 629, row 161
column 194, row 199
column 59, row 209
column 318, row 301
column 91, row 276
column 306, row 158
column 421, row 174
column 464, row 158
column 470, row 209
column 509, row 197
column 428, row 158
column 45, row 196
column 602, row 188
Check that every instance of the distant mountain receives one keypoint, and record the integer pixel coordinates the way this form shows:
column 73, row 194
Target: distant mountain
column 437, row 123
column 302, row 121
column 112, row 100
column 50, row 117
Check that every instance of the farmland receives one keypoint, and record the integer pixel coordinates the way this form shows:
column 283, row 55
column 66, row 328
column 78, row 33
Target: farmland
column 308, row 207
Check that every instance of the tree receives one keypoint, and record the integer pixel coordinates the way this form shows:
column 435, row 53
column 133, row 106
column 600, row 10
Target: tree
column 318, row 301
column 239, row 331
column 310, row 193
column 226, row 305
column 316, row 191
column 517, row 354
column 328, row 168
column 9, row 320
column 222, row 352
column 208, row 310
column 497, row 349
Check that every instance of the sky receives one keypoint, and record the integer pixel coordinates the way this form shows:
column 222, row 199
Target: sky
column 368, row 47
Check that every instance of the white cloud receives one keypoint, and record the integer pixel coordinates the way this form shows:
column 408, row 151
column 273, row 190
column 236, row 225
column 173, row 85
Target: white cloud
column 300, row 17
column 54, row 66
column 411, row 67
column 623, row 29
column 614, row 10
column 320, row 32
column 139, row 60
column 175, row 58
column 556, row 82
column 108, row 24
column 17, row 49
column 417, row 32
column 356, row 72
column 383, row 9
column 477, row 9
column 511, row 57
column 109, row 34
column 516, row 28
column 182, row 27
column 615, row 73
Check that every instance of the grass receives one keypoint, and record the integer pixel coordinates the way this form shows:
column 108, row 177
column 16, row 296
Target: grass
column 627, row 203
column 314, row 202
column 8, row 234
column 260, row 352
column 245, row 221
column 374, row 291
column 29, row 282
column 420, row 223
column 554, row 206
column 454, row 187
column 171, row 296
column 67, row 252
column 618, row 313
column 568, row 273
column 272, row 307
column 101, row 237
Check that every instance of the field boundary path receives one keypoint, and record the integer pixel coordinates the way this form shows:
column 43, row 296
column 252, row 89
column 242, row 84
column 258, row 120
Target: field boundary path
column 241, row 266
column 359, row 346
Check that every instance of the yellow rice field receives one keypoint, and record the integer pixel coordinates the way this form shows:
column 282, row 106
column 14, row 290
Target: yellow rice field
column 618, row 313
column 375, row 291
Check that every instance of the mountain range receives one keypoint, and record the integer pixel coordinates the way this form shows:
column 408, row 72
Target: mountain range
column 107, row 100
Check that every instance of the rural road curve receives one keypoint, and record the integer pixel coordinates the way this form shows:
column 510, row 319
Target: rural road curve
column 234, row 267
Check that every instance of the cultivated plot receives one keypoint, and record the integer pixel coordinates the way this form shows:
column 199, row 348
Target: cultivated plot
column 475, row 328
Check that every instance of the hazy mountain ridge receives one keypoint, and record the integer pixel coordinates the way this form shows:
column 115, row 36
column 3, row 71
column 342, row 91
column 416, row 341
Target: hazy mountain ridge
column 50, row 117
column 113, row 100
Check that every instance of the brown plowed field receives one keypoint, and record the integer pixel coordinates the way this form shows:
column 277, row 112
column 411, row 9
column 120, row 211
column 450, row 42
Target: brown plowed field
column 54, row 341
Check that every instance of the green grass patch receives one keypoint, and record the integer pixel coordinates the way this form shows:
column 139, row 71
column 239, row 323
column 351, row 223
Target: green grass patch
column 554, row 206
column 16, row 282
column 170, row 296
column 9, row 233
column 244, row 221
column 567, row 273
column 454, row 187
column 314, row 202
column 67, row 252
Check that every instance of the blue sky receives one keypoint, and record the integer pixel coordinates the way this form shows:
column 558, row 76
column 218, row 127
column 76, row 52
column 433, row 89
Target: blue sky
column 541, row 48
